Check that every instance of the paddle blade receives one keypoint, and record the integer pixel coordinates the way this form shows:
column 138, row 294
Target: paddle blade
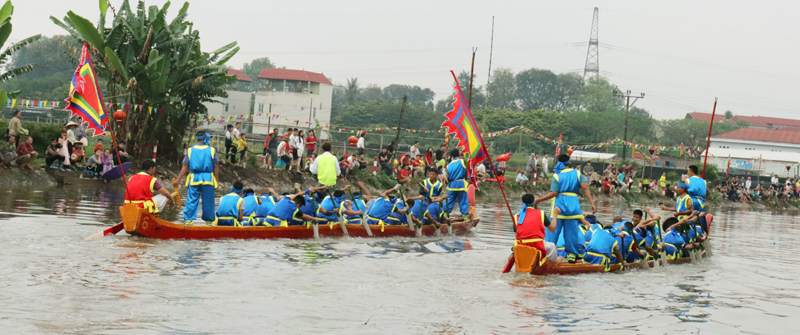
column 509, row 265
column 110, row 231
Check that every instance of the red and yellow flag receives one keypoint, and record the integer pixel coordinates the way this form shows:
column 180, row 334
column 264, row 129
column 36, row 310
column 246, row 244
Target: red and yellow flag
column 462, row 125
column 85, row 98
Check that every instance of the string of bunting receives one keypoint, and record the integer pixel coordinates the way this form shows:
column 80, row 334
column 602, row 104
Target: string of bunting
column 34, row 103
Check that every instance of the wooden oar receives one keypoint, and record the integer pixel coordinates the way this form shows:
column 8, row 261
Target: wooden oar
column 315, row 224
column 360, row 216
column 411, row 224
column 110, row 231
column 509, row 264
column 339, row 218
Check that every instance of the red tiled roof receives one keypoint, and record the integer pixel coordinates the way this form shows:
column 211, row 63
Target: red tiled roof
column 763, row 135
column 239, row 75
column 298, row 75
column 705, row 117
column 771, row 122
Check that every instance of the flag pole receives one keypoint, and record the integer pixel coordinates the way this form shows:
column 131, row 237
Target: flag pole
column 708, row 141
column 488, row 156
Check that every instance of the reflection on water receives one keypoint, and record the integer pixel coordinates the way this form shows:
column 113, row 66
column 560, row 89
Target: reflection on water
column 55, row 282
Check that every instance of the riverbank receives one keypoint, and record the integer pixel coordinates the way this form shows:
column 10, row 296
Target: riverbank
column 261, row 179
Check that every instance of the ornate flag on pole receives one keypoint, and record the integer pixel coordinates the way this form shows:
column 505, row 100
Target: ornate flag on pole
column 85, row 98
column 462, row 125
column 558, row 146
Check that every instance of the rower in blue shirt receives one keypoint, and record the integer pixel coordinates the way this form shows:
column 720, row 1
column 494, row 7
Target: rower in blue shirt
column 251, row 204
column 457, row 188
column 566, row 206
column 674, row 242
column 358, row 203
column 333, row 207
column 434, row 215
column 231, row 207
column 594, row 226
column 265, row 206
column 287, row 211
column 380, row 209
column 604, row 248
column 697, row 189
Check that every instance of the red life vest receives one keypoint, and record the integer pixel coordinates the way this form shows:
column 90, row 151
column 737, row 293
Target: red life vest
column 531, row 231
column 140, row 192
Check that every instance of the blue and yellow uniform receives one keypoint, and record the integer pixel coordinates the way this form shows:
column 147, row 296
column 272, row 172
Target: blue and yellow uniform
column 435, row 210
column 228, row 210
column 682, row 205
column 266, row 206
column 600, row 249
column 380, row 210
column 587, row 236
column 457, row 189
column 567, row 183
column 250, row 210
column 333, row 207
column 396, row 218
column 697, row 190
column 626, row 247
column 310, row 209
column 358, row 205
column 674, row 244
column 418, row 210
column 434, row 189
column 284, row 213
column 201, row 182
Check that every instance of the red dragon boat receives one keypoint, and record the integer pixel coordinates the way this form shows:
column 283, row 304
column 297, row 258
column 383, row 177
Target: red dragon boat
column 141, row 223
column 530, row 260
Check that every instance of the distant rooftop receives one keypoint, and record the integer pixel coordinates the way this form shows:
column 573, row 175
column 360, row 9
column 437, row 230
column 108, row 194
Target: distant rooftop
column 763, row 135
column 296, row 75
column 239, row 75
column 705, row 117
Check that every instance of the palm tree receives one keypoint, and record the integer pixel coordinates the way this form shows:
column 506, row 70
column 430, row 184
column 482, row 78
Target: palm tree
column 5, row 31
column 149, row 61
column 351, row 91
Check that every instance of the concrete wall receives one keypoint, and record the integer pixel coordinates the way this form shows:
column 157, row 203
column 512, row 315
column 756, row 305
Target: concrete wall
column 237, row 103
column 295, row 107
column 769, row 158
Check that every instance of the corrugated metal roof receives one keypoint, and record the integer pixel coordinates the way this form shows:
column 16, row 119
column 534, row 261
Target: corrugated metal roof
column 765, row 121
column 298, row 75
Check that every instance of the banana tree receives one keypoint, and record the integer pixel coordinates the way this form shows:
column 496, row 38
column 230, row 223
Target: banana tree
column 5, row 31
column 148, row 60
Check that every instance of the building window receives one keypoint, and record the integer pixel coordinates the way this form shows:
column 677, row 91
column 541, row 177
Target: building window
column 260, row 108
column 226, row 107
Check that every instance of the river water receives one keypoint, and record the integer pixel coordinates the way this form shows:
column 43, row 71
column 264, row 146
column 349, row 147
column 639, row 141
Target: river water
column 52, row 281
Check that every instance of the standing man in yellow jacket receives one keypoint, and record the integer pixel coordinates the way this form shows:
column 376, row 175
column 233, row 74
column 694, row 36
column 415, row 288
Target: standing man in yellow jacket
column 326, row 166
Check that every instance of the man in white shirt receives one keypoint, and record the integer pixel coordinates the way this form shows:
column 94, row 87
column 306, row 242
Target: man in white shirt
column 360, row 145
column 284, row 153
column 293, row 146
column 414, row 151
column 747, row 184
column 545, row 167
column 774, row 181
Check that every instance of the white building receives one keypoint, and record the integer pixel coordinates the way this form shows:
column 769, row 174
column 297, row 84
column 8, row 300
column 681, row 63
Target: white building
column 769, row 151
column 237, row 103
column 292, row 98
column 299, row 98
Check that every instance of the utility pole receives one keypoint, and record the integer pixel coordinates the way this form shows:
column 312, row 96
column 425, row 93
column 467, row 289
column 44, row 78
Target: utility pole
column 396, row 142
column 489, row 76
column 471, row 75
column 628, row 105
column 269, row 120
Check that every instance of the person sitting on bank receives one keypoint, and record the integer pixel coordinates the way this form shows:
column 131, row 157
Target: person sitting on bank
column 26, row 154
column 142, row 189
column 231, row 207
column 94, row 164
column 8, row 151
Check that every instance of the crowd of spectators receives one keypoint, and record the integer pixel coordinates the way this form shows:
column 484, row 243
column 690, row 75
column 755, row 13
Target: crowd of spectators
column 743, row 189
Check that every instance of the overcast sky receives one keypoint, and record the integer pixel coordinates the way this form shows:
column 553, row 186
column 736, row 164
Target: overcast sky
column 682, row 54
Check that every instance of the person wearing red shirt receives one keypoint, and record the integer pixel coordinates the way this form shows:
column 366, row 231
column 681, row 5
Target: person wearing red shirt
column 99, row 146
column 404, row 176
column 608, row 187
column 311, row 142
column 26, row 154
